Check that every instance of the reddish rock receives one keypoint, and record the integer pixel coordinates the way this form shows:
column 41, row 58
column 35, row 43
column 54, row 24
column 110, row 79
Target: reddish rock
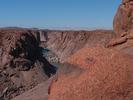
column 106, row 75
column 123, row 27
column 123, row 20
column 117, row 41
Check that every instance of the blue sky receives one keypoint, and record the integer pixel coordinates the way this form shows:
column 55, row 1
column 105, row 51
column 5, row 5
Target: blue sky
column 58, row 13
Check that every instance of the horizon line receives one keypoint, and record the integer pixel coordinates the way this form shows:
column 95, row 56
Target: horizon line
column 62, row 28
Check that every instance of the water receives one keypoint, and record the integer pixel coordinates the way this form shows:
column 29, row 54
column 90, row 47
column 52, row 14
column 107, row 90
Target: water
column 51, row 57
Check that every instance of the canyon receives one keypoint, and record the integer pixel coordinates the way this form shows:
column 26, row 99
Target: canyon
column 37, row 64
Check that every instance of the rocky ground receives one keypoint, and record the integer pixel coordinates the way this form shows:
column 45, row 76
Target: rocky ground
column 23, row 65
column 50, row 56
column 26, row 61
column 69, row 65
column 103, row 74
column 107, row 72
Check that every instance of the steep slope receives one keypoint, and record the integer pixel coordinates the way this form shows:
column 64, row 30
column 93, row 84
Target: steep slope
column 106, row 75
column 66, row 43
column 22, row 65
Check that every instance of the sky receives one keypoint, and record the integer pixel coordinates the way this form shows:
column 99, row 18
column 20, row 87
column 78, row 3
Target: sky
column 58, row 13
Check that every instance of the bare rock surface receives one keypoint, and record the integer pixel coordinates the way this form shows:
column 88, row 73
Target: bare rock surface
column 106, row 75
column 123, row 27
column 22, row 64
column 123, row 20
column 90, row 71
column 40, row 92
column 66, row 43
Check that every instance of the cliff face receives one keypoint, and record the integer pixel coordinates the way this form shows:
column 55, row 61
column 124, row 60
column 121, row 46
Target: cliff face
column 123, row 20
column 65, row 43
column 22, row 64
column 123, row 27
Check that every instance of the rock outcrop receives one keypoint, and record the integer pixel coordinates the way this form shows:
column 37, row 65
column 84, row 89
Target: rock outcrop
column 123, row 27
column 104, row 74
column 123, row 20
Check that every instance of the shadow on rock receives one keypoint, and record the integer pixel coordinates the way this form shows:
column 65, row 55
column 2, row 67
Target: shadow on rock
column 26, row 52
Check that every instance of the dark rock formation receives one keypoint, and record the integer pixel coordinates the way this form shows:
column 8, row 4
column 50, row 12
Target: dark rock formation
column 23, row 65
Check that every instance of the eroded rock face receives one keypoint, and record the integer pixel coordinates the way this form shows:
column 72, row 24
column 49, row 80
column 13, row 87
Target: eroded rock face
column 66, row 43
column 123, row 20
column 22, row 64
column 123, row 27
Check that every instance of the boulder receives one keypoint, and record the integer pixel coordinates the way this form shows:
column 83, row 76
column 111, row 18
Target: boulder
column 106, row 75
